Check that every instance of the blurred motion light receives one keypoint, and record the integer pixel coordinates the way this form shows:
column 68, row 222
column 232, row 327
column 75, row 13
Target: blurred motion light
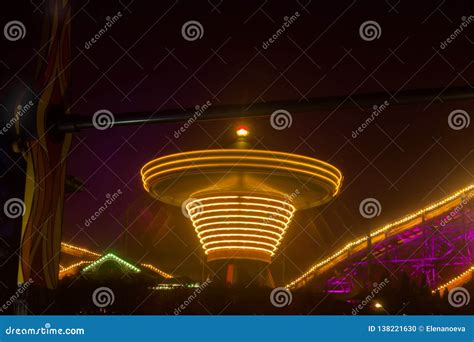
column 248, row 227
column 241, row 201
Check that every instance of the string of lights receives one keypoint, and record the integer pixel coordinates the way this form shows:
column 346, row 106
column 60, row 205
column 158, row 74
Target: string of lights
column 456, row 195
column 456, row 279
column 77, row 264
column 157, row 270
column 111, row 256
column 79, row 249
column 86, row 251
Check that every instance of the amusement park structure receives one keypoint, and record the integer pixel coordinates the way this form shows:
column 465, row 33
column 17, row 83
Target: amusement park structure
column 239, row 199
column 434, row 245
column 87, row 259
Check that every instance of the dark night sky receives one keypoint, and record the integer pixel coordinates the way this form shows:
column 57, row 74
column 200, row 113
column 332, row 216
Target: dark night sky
column 407, row 158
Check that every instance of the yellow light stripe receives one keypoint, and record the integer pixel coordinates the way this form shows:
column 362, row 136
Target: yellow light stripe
column 198, row 227
column 199, row 207
column 216, row 236
column 250, row 165
column 239, row 247
column 240, row 152
column 243, row 242
column 200, row 234
column 264, row 218
column 238, row 159
column 77, row 264
column 157, row 270
column 201, row 213
column 83, row 250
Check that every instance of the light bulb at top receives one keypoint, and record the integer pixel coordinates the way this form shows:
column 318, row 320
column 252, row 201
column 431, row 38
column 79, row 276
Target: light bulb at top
column 242, row 131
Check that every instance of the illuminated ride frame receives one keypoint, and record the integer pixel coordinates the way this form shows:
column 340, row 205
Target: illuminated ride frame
column 241, row 201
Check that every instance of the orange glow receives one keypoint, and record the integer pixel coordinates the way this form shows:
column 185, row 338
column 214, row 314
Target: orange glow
column 314, row 171
column 239, row 200
column 242, row 131
column 186, row 156
column 229, row 278
column 243, row 223
column 250, row 159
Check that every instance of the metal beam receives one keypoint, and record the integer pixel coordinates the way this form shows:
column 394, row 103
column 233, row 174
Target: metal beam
column 72, row 123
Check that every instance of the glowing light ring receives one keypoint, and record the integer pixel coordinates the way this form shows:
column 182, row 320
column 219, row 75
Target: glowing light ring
column 239, row 247
column 217, row 236
column 263, row 218
column 150, row 179
column 243, row 242
column 291, row 166
column 200, row 235
column 281, row 229
column 232, row 223
column 195, row 207
column 239, row 155
column 239, row 210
